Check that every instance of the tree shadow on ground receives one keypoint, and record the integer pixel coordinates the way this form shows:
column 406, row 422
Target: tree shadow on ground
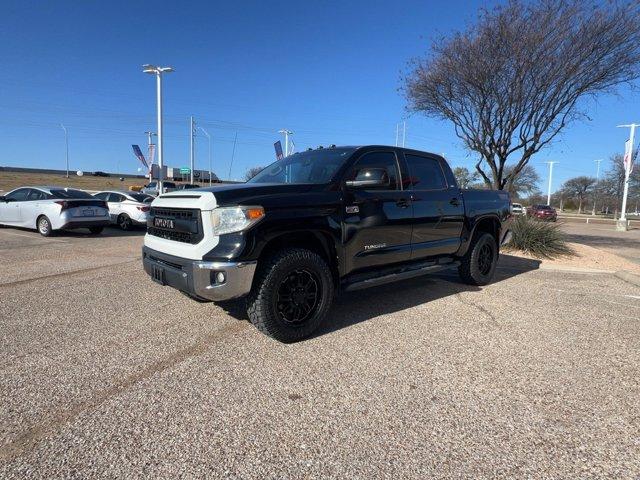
column 354, row 307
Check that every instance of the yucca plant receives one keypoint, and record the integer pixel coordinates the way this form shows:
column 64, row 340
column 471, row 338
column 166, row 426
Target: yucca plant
column 538, row 238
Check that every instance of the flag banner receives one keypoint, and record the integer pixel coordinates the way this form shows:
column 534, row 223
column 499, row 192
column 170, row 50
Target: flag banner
column 152, row 153
column 278, row 147
column 627, row 154
column 138, row 153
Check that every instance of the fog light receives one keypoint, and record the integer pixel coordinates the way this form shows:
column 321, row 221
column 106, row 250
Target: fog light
column 220, row 277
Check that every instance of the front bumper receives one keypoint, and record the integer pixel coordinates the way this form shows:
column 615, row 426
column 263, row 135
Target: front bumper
column 199, row 278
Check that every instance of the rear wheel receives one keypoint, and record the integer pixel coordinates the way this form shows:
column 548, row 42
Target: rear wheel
column 43, row 225
column 124, row 221
column 479, row 263
column 96, row 230
column 291, row 296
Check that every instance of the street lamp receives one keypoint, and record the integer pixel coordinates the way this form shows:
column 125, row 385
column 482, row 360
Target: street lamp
column 209, row 140
column 158, row 71
column 66, row 146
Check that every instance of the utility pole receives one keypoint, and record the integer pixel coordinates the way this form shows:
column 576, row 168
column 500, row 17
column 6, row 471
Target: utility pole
column 192, row 126
column 206, row 134
column 595, row 194
column 550, row 177
column 622, row 222
column 286, row 134
column 66, row 146
column 158, row 71
column 397, row 133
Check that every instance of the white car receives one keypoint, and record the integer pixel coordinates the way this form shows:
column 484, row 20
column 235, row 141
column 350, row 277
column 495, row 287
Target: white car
column 47, row 209
column 518, row 209
column 126, row 209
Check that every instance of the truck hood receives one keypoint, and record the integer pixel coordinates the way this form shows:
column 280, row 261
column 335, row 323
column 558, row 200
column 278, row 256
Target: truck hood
column 253, row 193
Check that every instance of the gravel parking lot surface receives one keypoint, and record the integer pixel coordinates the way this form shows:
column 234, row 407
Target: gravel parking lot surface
column 106, row 374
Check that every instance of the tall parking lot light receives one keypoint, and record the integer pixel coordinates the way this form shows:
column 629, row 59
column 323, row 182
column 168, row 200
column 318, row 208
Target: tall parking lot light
column 209, row 139
column 158, row 71
column 66, row 146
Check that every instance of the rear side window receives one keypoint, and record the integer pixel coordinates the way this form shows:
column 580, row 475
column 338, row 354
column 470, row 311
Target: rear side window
column 116, row 197
column 19, row 195
column 69, row 193
column 426, row 173
column 36, row 195
column 101, row 195
column 140, row 197
column 384, row 160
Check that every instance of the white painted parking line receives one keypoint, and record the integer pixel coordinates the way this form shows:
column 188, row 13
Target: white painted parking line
column 26, row 235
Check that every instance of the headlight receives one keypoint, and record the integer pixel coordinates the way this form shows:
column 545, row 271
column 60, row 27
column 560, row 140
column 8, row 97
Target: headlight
column 235, row 219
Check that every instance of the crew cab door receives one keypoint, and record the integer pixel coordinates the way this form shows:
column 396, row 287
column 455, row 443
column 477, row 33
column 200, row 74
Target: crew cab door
column 377, row 219
column 438, row 207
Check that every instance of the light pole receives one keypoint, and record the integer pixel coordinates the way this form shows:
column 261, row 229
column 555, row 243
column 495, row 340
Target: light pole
column 66, row 146
column 158, row 71
column 628, row 160
column 192, row 127
column 286, row 134
column 206, row 134
column 595, row 194
column 550, row 177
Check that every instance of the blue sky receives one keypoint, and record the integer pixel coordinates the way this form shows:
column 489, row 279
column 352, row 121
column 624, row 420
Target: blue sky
column 329, row 71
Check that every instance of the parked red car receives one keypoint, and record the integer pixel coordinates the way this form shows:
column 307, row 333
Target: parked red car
column 543, row 212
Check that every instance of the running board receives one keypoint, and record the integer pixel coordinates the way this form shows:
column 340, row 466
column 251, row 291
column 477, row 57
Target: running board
column 402, row 274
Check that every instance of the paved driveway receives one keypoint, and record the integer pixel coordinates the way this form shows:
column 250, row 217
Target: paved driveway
column 105, row 374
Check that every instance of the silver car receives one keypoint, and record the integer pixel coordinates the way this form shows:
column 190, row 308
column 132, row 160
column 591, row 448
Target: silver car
column 47, row 209
column 152, row 188
column 126, row 209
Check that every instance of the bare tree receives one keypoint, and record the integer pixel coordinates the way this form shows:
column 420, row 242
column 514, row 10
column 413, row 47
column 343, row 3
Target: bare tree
column 252, row 172
column 525, row 183
column 513, row 81
column 578, row 187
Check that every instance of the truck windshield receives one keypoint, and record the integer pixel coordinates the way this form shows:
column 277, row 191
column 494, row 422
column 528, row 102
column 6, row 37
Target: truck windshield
column 313, row 166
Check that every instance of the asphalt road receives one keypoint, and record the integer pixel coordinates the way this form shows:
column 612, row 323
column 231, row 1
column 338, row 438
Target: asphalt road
column 105, row 374
column 604, row 236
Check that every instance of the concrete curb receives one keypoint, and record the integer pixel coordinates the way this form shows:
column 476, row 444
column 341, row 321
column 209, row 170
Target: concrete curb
column 628, row 277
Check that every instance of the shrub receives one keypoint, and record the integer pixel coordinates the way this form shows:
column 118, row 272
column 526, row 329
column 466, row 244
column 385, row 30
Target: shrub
column 538, row 238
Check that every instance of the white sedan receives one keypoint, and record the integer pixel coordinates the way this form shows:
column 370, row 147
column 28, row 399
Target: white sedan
column 47, row 209
column 126, row 209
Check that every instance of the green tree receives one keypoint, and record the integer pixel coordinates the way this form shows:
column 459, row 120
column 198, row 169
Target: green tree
column 464, row 177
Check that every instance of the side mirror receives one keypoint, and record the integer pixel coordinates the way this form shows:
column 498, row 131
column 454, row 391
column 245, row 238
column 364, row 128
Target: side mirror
column 370, row 178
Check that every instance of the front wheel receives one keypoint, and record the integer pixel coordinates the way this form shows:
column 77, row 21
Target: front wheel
column 479, row 263
column 292, row 294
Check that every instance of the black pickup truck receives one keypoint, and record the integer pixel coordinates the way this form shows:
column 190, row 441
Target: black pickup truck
column 320, row 221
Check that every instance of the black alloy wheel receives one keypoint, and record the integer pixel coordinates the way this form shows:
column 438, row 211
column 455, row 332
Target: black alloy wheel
column 297, row 297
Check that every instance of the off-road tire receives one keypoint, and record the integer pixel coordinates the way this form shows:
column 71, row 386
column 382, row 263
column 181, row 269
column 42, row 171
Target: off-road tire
column 470, row 267
column 96, row 230
column 43, row 225
column 270, row 276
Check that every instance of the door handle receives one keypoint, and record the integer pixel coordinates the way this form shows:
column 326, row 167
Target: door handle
column 402, row 203
column 454, row 201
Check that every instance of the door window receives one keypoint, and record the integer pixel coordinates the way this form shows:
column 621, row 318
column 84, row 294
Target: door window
column 383, row 160
column 426, row 173
column 19, row 195
column 36, row 195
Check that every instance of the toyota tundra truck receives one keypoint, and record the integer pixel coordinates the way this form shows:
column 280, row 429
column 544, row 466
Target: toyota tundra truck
column 319, row 222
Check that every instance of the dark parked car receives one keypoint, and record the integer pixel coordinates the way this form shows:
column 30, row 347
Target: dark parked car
column 100, row 174
column 543, row 212
column 318, row 221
